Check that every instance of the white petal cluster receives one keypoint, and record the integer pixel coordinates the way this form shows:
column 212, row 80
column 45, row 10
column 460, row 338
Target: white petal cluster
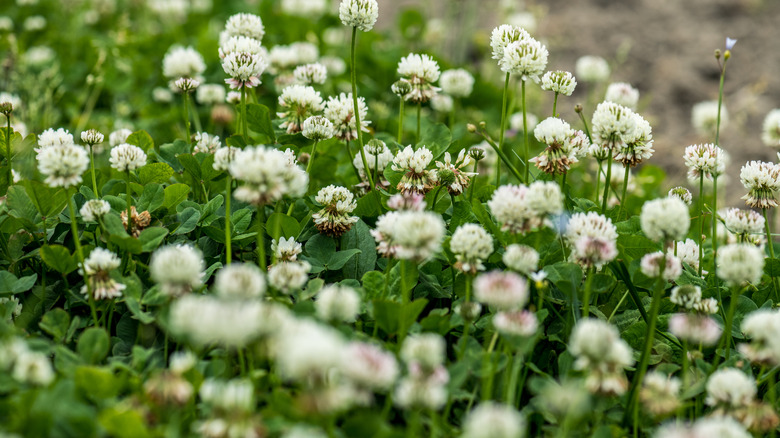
column 310, row 74
column 340, row 110
column 740, row 263
column 239, row 281
column 660, row 393
column 746, row 225
column 704, row 117
column 651, row 266
column 763, row 328
column 521, row 258
column 472, row 245
column 637, row 146
column 417, row 235
column 378, row 156
column 94, row 209
column 334, row 218
column 706, row 159
column 688, row 252
column 223, row 157
column 696, row 328
column 286, row 249
column 24, row 365
column 183, row 62
column 92, row 137
column 592, row 69
column 304, row 349
column 611, row 124
column 246, row 25
column 442, row 103
column 426, row 349
column 210, row 94
column 361, row 14
column 501, row 290
column 127, row 157
column 97, row 267
column 493, row 420
column 244, row 69
column 241, row 44
column 177, row 269
column 414, row 164
column 50, row 138
column 722, row 427
column 503, row 36
column 461, row 177
column 730, row 387
column 516, row 323
column 289, row 276
column 682, row 193
column 206, row 143
column 369, row 366
column 421, row 71
column 770, row 134
column 119, row 136
column 665, row 219
column 623, row 94
column 337, row 303
column 299, row 102
column 559, row 81
column 268, row 175
column 762, row 181
column 206, row 320
column 284, row 59
column 63, row 165
column 522, row 208
column 593, row 239
column 560, row 152
column 601, row 352
column 305, row 8
column 457, row 82
column 689, row 297
column 317, row 128
column 526, row 57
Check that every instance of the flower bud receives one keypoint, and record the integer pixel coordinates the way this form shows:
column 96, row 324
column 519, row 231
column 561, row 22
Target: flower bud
column 470, row 311
column 471, row 128
column 6, row 108
column 477, row 153
column 578, row 108
column 401, row 87
column 446, row 177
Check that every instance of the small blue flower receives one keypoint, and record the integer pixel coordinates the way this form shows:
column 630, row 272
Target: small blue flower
column 730, row 43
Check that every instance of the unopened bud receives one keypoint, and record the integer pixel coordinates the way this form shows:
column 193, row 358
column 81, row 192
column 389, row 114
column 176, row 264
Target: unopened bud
column 477, row 153
column 471, row 128
column 375, row 146
column 717, row 53
column 92, row 137
column 446, row 177
column 303, row 158
column 6, row 108
column 401, row 87
column 186, row 85
column 578, row 108
column 727, row 54
column 482, row 125
column 470, row 311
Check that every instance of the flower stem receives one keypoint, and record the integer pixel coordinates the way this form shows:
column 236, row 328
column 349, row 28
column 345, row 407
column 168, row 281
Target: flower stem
column 487, row 367
column 473, row 182
column 80, row 253
column 607, row 183
column 244, row 124
column 228, row 233
column 526, row 146
column 358, row 127
column 514, row 375
column 625, row 187
column 405, row 298
column 129, row 200
column 726, row 340
column 401, row 120
column 771, row 246
column 586, row 297
column 715, row 233
column 419, row 113
column 261, row 237
column 187, row 118
column 8, row 149
column 502, row 128
column 555, row 105
column 701, row 220
column 598, row 181
column 92, row 165
column 311, row 160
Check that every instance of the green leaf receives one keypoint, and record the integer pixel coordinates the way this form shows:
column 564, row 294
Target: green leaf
column 113, row 224
column 368, row 205
column 279, row 224
column 123, row 423
column 461, row 214
column 127, row 243
column 58, row 258
column 772, row 267
column 9, row 284
column 97, row 383
column 359, row 237
column 484, row 218
column 174, row 194
column 392, row 316
column 321, row 248
column 190, row 165
column 48, row 201
column 602, row 283
column 168, row 153
column 241, row 220
column 135, row 308
column 56, row 322
column 142, row 139
column 207, row 170
column 339, row 259
column 93, row 345
column 259, row 117
column 151, row 238
column 20, row 206
column 437, row 138
column 210, row 210
column 374, row 284
column 187, row 219
column 152, row 198
column 633, row 247
column 154, row 173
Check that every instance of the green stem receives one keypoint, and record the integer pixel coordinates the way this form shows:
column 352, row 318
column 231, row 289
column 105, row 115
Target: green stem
column 405, row 298
column 586, row 297
column 505, row 159
column 487, row 367
column 715, row 234
column 261, row 237
column 473, row 181
column 435, row 198
column 514, row 375
column 466, row 324
column 187, row 118
column 92, row 165
column 598, row 181
column 502, row 128
column 720, row 100
column 685, row 374
column 129, row 201
column 701, row 220
column 358, row 127
column 419, row 113
column 526, row 146
column 771, row 246
column 730, row 322
column 625, row 188
column 8, row 150
column 228, row 233
column 401, row 120
column 555, row 105
column 310, row 165
column 607, row 183
column 80, row 253
column 244, row 124
column 195, row 117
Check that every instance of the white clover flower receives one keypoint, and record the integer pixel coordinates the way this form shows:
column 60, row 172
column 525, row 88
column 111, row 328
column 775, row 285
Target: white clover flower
column 383, row 234
column 369, row 366
column 687, row 296
column 651, row 266
column 288, row 276
column 204, row 320
column 210, row 94
column 561, row 82
column 593, row 239
column 334, row 218
column 378, row 156
column 304, row 349
column 284, row 59
column 730, row 387
column 560, row 153
column 178, row 269
column 601, row 352
column 206, row 143
column 516, row 323
column 695, row 328
column 94, row 210
column 182, row 361
column 12, row 99
column 740, row 263
column 231, row 395
column 223, row 157
column 340, row 110
column 268, row 175
column 308, row 74
column 611, row 124
column 186, row 85
column 637, row 146
column 119, row 136
column 706, row 159
column 239, row 281
column 770, row 134
column 704, row 117
column 183, row 62
column 660, row 393
column 511, row 207
column 34, row 368
column 421, row 71
column 63, row 165
column 493, row 420
column 422, row 390
column 305, row 8
column 335, row 65
column 126, row 157
column 429, row 350
column 722, row 427
column 623, row 94
column 244, row 69
column 682, row 193
column 502, row 290
column 92, row 137
column 763, row 328
column 414, row 163
column 457, row 82
column 526, row 58
column 747, row 225
column 762, row 180
column 504, row 35
column 286, row 250
column 246, row 25
column 337, row 303
column 592, row 69
column 97, row 267
column 299, row 102
column 38, row 56
column 472, row 245
column 52, row 138
column 516, row 122
column 418, row 235
column 317, row 128
column 688, row 252
column 173, row 10
column 241, row 44
column 521, row 258
column 460, row 178
column 361, row 14
column 17, row 308
column 665, row 219
column 442, row 103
